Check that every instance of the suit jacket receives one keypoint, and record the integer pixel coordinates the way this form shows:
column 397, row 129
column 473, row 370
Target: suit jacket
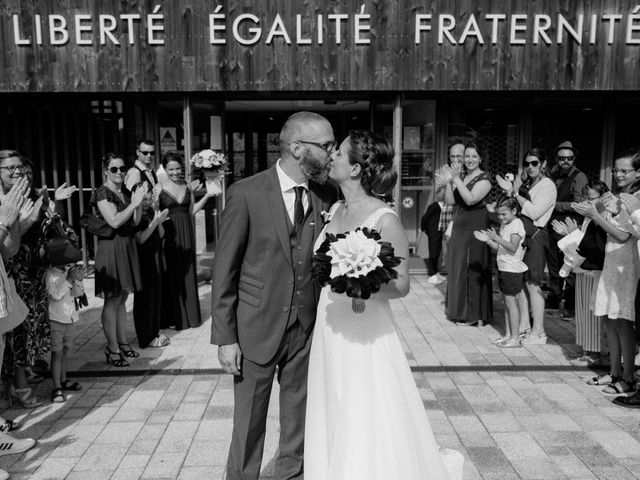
column 251, row 293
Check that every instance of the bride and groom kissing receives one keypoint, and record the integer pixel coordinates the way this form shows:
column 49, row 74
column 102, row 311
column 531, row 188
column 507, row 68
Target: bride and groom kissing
column 349, row 407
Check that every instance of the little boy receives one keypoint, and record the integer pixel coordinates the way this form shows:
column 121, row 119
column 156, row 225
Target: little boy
column 64, row 284
column 511, row 267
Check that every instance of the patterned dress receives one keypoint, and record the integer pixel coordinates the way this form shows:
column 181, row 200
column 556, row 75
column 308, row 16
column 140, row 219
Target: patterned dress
column 31, row 340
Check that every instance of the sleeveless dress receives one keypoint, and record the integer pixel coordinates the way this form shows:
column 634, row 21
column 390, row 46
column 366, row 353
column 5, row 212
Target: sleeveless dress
column 180, row 300
column 469, row 289
column 117, row 267
column 365, row 419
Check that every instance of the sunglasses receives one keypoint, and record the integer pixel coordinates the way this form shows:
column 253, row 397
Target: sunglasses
column 532, row 163
column 566, row 159
column 115, row 170
column 150, row 152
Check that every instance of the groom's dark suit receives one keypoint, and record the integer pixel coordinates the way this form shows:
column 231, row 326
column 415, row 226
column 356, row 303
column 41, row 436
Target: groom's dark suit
column 263, row 297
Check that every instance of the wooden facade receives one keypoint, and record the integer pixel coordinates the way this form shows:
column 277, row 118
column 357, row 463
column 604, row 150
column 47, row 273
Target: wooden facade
column 391, row 62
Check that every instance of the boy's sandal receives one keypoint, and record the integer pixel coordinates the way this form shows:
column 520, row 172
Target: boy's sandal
column 618, row 387
column 605, row 379
column 509, row 344
column 57, row 396
column 72, row 387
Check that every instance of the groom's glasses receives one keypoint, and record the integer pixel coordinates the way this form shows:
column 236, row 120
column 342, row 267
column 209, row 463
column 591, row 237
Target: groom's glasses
column 327, row 147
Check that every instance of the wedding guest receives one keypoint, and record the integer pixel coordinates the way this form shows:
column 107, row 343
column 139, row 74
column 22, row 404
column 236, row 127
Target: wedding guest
column 537, row 198
column 615, row 295
column 469, row 290
column 588, row 326
column 147, row 302
column 142, row 169
column 64, row 285
column 117, row 267
column 509, row 245
column 11, row 203
column 570, row 183
column 30, row 340
column 181, row 304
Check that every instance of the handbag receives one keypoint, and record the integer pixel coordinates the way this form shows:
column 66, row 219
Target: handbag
column 96, row 226
column 60, row 242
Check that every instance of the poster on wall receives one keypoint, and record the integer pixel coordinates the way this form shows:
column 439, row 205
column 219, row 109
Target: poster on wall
column 168, row 139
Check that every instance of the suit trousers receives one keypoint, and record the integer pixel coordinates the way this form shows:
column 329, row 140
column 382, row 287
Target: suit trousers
column 252, row 390
column 435, row 249
column 561, row 288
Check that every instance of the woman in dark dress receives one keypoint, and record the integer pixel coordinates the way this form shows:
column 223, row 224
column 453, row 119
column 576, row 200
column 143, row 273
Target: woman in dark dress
column 469, row 290
column 181, row 305
column 147, row 302
column 116, row 263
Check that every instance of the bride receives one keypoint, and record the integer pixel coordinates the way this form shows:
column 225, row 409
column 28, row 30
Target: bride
column 365, row 419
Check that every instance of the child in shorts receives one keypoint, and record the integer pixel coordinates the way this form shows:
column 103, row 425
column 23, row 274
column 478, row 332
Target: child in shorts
column 64, row 285
column 511, row 267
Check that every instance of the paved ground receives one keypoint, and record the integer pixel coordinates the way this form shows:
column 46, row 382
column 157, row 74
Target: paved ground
column 519, row 413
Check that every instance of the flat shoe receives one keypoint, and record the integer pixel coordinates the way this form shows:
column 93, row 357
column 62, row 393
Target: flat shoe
column 600, row 380
column 72, row 387
column 509, row 345
column 57, row 396
column 500, row 340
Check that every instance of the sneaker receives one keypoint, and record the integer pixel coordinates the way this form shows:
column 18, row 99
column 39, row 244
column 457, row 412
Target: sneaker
column 435, row 279
column 10, row 445
column 586, row 361
column 568, row 315
column 442, row 278
column 534, row 339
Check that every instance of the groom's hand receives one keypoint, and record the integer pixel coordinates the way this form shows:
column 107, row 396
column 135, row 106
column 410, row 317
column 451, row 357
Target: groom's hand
column 230, row 357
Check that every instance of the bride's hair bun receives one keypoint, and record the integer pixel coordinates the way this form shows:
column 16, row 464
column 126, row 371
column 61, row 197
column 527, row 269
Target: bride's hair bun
column 375, row 155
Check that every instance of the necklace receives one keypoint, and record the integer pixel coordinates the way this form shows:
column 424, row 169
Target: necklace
column 347, row 204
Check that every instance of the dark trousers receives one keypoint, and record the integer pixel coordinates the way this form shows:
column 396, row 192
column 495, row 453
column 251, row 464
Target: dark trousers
column 555, row 259
column 435, row 250
column 637, row 319
column 252, row 390
column 147, row 307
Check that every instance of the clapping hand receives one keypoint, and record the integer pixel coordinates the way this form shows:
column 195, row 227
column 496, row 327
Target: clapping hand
column 31, row 210
column 505, row 184
column 160, row 217
column 76, row 272
column 13, row 202
column 630, row 202
column 611, row 203
column 560, row 227
column 586, row 209
column 138, row 195
column 445, row 174
column 63, row 192
column 481, row 235
column 456, row 170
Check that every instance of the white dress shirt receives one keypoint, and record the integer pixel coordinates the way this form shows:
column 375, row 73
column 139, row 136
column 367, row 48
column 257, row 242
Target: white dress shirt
column 289, row 194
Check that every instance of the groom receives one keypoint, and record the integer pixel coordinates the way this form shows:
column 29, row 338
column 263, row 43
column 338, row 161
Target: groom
column 263, row 297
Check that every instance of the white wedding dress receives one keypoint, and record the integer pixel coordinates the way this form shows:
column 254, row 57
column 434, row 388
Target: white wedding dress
column 365, row 419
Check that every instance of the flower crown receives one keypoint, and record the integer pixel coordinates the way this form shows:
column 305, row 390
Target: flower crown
column 208, row 160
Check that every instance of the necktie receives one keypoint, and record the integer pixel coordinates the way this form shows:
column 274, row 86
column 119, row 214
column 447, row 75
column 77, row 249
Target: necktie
column 298, row 209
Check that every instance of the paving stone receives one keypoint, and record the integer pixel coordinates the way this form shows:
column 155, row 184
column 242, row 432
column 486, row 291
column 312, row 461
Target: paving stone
column 163, row 465
column 489, row 460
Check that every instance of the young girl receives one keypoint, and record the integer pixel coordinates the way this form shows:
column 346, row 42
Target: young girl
column 617, row 285
column 63, row 286
column 511, row 268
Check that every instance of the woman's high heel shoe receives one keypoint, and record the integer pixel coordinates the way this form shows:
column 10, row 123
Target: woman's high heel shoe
column 118, row 361
column 128, row 351
column 26, row 398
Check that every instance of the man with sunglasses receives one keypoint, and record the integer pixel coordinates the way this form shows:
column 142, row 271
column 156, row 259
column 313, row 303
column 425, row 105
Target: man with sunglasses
column 142, row 169
column 263, row 297
column 570, row 183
